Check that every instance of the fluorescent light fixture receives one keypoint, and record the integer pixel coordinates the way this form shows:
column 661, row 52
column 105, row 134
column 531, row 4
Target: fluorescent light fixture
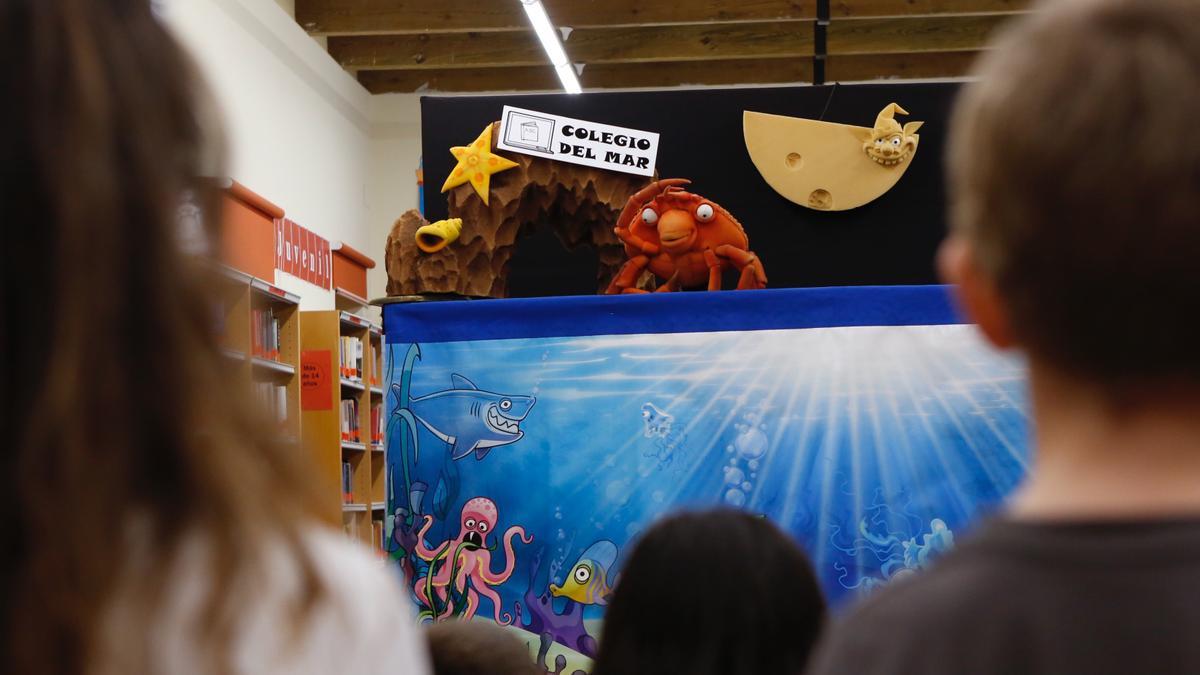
column 550, row 43
column 566, row 74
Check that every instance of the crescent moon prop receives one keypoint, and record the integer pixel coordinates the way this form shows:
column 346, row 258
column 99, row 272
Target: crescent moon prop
column 828, row 166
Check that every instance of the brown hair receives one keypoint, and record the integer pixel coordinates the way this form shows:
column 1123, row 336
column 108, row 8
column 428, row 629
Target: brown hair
column 477, row 648
column 123, row 431
column 1074, row 170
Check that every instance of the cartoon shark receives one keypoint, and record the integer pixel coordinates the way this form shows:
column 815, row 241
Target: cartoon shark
column 470, row 419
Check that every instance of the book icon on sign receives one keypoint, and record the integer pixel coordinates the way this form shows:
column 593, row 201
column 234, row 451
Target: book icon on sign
column 531, row 132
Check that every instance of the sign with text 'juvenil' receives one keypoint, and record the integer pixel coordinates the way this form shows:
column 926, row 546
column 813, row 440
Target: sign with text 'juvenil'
column 577, row 141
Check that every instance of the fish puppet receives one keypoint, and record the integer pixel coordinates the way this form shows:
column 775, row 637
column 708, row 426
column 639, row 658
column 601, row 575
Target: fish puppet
column 588, row 581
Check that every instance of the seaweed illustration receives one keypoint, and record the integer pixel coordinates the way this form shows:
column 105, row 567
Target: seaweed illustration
column 403, row 453
column 433, row 608
column 407, row 501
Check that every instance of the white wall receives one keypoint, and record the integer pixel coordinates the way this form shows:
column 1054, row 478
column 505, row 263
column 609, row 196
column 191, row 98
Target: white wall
column 298, row 126
column 392, row 186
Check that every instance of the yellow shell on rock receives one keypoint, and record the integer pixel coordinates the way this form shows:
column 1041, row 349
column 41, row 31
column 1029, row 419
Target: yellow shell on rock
column 436, row 236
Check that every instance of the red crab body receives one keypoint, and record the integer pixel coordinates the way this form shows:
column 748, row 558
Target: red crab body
column 683, row 239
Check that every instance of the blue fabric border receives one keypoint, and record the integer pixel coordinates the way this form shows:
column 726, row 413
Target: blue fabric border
column 456, row 321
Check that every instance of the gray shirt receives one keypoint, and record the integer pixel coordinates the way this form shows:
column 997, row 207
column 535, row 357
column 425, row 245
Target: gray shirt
column 1020, row 597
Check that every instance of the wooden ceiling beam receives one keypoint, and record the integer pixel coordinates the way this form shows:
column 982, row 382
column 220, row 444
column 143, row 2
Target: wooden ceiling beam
column 601, row 76
column 592, row 46
column 374, row 17
column 368, row 17
column 457, row 80
column 903, row 35
column 922, row 65
column 857, row 9
column 437, row 50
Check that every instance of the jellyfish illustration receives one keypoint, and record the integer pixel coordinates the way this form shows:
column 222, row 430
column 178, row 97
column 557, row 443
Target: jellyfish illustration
column 903, row 548
column 659, row 425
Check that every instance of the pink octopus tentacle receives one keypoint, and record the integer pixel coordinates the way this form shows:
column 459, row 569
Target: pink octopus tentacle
column 449, row 606
column 440, row 581
column 496, row 579
column 492, row 595
column 419, row 591
column 472, row 605
column 442, row 576
column 466, row 568
column 422, row 550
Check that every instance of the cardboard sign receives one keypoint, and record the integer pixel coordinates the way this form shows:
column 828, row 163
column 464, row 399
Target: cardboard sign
column 316, row 386
column 303, row 254
column 566, row 139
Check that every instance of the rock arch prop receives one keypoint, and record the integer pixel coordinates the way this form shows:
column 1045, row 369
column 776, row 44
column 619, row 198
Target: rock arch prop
column 580, row 204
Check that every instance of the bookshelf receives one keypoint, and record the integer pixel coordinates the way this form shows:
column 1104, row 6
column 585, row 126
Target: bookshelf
column 259, row 328
column 337, row 419
column 348, row 301
column 377, row 417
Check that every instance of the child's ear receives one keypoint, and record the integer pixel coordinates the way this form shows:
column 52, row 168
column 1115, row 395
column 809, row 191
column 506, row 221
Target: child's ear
column 975, row 290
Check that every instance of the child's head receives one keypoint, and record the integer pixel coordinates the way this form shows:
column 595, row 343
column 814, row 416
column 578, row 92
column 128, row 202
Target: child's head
column 1074, row 171
column 714, row 592
column 477, row 648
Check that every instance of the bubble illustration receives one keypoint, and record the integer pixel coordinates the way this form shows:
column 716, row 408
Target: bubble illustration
column 751, row 444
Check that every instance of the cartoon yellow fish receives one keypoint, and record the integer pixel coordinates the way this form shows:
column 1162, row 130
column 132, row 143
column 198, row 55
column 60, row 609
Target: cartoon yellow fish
column 588, row 581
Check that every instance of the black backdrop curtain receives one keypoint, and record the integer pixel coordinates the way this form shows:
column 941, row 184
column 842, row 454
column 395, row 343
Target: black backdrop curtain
column 889, row 241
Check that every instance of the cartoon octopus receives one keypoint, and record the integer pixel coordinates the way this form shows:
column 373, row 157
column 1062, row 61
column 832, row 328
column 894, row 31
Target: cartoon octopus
column 474, row 559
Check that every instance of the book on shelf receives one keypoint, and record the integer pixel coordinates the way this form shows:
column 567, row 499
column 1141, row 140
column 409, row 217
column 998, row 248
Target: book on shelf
column 351, row 350
column 264, row 333
column 350, row 423
column 376, row 423
column 377, row 362
column 272, row 398
column 347, row 483
column 377, row 533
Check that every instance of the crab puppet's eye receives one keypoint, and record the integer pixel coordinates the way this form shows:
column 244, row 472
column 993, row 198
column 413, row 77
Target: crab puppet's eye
column 470, row 523
column 649, row 216
column 896, row 141
column 878, row 141
column 704, row 213
column 483, row 526
column 582, row 574
column 505, row 404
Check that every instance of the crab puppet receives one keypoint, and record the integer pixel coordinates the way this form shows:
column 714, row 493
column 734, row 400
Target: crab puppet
column 684, row 239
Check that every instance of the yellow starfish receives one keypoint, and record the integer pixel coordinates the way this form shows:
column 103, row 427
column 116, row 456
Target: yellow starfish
column 477, row 163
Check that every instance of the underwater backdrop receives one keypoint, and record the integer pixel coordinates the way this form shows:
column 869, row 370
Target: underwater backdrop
column 524, row 464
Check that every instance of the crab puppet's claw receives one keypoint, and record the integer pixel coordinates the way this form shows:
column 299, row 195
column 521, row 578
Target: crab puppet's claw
column 752, row 275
